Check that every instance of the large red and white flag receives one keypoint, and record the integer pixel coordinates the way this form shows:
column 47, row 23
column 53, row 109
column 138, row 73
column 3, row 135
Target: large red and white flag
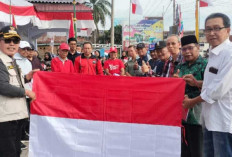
column 205, row 3
column 100, row 116
column 22, row 10
column 136, row 7
column 25, row 13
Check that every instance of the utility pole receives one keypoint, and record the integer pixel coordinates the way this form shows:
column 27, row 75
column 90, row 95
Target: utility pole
column 112, row 23
column 174, row 12
column 129, row 24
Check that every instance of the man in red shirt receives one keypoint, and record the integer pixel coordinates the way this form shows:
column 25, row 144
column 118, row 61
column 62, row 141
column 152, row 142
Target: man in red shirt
column 114, row 66
column 62, row 63
column 87, row 63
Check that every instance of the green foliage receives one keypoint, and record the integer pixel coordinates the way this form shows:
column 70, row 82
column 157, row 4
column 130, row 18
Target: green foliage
column 101, row 9
column 105, row 38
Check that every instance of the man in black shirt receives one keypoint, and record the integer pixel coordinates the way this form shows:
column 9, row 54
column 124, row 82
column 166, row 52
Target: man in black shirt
column 72, row 54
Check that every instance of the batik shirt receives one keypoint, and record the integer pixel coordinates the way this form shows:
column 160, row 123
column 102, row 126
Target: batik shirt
column 197, row 70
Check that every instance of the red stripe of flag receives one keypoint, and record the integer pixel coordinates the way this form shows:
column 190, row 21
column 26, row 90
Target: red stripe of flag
column 18, row 10
column 103, row 98
column 63, row 16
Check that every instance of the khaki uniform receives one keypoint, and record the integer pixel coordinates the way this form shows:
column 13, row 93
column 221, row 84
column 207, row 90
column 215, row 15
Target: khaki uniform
column 12, row 99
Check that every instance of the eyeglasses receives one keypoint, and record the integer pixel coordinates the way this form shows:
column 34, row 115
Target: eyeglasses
column 26, row 48
column 9, row 40
column 190, row 48
column 216, row 29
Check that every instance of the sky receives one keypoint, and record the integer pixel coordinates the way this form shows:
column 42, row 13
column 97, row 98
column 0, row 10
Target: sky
column 159, row 7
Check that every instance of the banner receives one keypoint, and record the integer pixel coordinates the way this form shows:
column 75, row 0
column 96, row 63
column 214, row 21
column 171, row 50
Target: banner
column 105, row 116
column 147, row 31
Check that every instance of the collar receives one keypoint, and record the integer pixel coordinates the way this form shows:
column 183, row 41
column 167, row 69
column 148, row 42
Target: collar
column 63, row 60
column 220, row 47
column 144, row 58
column 179, row 57
column 5, row 58
column 91, row 57
column 17, row 56
column 76, row 52
column 198, row 61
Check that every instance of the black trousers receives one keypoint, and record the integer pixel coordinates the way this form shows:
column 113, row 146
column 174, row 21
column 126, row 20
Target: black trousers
column 192, row 146
column 10, row 135
column 26, row 126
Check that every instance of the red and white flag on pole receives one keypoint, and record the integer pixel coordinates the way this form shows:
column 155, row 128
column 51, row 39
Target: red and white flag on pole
column 136, row 7
column 71, row 28
column 13, row 21
column 205, row 3
column 100, row 116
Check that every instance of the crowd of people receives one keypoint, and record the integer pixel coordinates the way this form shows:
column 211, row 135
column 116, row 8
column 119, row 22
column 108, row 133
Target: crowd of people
column 207, row 127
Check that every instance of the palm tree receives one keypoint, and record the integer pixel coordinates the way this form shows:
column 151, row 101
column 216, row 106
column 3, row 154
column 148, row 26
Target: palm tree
column 100, row 11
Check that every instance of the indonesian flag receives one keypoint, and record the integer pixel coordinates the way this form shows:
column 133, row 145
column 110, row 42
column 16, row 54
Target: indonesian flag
column 205, row 3
column 22, row 10
column 25, row 13
column 136, row 7
column 100, row 116
column 71, row 28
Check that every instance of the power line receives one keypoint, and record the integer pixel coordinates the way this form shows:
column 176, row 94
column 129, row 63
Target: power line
column 167, row 7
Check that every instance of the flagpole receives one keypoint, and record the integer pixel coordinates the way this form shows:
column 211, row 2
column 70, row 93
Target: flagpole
column 112, row 23
column 197, row 21
column 130, row 23
column 163, row 22
column 10, row 13
column 75, row 19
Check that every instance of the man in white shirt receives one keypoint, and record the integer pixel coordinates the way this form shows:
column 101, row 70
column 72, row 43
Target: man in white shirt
column 23, row 63
column 217, row 89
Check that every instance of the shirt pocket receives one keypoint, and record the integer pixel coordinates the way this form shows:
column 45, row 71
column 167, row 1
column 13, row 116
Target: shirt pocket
column 13, row 78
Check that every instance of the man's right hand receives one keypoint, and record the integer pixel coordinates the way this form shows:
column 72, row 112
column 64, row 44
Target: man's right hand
column 190, row 79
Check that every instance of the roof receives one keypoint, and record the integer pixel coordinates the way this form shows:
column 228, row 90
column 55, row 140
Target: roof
column 50, row 1
column 41, row 7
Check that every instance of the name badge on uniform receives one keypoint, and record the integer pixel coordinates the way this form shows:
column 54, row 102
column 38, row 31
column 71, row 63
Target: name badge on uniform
column 10, row 67
column 213, row 70
column 94, row 62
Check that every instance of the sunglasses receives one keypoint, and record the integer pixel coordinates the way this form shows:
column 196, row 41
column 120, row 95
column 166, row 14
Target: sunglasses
column 9, row 40
column 26, row 48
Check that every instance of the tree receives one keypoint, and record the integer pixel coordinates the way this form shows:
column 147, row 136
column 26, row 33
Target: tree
column 117, row 36
column 100, row 11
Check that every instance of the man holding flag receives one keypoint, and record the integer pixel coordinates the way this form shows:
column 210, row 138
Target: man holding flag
column 13, row 109
column 217, row 88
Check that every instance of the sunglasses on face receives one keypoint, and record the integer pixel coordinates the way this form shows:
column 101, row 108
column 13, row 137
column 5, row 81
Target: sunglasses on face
column 26, row 48
column 9, row 40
